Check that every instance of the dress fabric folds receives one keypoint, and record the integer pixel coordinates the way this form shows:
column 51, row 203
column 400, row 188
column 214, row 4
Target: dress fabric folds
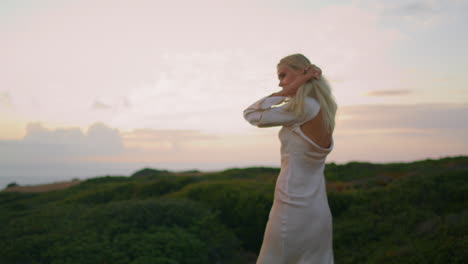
column 299, row 227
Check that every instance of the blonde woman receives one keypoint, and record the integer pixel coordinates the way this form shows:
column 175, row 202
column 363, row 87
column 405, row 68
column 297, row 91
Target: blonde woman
column 299, row 227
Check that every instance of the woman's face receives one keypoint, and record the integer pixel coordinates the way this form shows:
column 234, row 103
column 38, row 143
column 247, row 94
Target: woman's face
column 286, row 75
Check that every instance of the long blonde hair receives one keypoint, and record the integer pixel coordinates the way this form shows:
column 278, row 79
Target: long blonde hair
column 318, row 89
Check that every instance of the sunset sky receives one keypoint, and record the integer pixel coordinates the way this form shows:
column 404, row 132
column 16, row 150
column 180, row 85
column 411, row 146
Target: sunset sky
column 109, row 86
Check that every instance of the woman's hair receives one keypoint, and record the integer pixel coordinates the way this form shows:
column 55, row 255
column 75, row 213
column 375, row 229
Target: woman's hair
column 318, row 89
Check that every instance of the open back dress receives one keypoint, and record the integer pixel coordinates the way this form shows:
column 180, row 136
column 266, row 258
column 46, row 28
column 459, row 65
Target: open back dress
column 299, row 227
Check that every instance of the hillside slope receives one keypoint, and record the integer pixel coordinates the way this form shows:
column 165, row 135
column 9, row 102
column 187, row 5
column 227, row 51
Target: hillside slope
column 382, row 213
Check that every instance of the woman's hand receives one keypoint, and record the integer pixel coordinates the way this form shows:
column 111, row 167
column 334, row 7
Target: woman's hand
column 312, row 72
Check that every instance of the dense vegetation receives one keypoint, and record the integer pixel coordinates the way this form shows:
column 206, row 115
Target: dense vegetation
column 383, row 213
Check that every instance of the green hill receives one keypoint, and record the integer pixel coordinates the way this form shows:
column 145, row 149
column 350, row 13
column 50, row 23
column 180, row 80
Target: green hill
column 382, row 213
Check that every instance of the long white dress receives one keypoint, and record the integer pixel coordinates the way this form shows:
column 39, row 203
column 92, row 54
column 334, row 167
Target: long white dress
column 299, row 227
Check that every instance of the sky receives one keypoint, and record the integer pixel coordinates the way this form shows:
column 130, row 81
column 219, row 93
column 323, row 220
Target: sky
column 96, row 87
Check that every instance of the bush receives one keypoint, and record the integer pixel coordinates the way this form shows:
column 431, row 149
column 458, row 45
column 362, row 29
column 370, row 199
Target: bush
column 243, row 206
column 12, row 184
column 164, row 230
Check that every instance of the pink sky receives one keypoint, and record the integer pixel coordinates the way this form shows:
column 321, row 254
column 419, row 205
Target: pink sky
column 166, row 82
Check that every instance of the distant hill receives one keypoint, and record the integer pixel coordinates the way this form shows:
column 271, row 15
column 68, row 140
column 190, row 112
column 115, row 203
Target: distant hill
column 148, row 172
column 382, row 213
column 42, row 187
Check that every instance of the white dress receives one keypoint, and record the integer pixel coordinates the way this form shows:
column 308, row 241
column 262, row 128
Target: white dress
column 299, row 227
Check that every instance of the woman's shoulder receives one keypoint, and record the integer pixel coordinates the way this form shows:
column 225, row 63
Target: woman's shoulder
column 312, row 106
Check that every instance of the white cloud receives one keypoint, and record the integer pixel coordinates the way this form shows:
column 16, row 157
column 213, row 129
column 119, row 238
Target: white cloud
column 62, row 144
column 441, row 117
column 163, row 141
column 97, row 105
column 395, row 92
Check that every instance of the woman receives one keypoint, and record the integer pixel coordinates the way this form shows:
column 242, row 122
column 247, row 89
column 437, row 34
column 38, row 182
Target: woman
column 299, row 227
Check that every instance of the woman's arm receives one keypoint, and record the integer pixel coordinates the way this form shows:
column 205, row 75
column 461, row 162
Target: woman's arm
column 262, row 114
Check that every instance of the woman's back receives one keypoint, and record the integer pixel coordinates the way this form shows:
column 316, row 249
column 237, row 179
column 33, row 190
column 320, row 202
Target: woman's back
column 316, row 131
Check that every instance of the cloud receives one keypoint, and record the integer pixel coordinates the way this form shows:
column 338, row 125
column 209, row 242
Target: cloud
column 163, row 141
column 101, row 143
column 62, row 144
column 415, row 8
column 197, row 91
column 418, row 13
column 97, row 105
column 418, row 117
column 388, row 92
column 415, row 14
